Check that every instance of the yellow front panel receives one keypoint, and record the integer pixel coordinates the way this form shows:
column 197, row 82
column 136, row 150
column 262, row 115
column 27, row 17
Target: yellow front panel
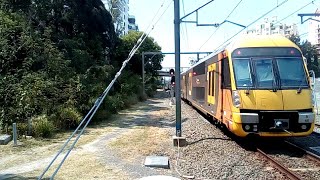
column 268, row 100
column 248, row 101
column 292, row 100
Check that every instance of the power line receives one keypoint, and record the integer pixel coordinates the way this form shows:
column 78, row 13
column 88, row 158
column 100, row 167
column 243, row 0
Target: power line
column 250, row 25
column 220, row 26
column 304, row 34
column 185, row 25
column 312, row 2
column 99, row 101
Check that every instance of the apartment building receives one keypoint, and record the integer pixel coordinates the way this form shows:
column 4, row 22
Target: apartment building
column 272, row 26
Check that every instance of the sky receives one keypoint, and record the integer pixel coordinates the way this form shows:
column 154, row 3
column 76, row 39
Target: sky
column 196, row 38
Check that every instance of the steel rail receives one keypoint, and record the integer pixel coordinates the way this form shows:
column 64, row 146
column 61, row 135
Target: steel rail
column 279, row 166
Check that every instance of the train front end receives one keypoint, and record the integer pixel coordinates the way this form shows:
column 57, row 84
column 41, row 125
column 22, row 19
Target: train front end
column 271, row 91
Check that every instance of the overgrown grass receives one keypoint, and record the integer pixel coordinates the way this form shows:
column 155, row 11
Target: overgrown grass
column 42, row 127
column 140, row 142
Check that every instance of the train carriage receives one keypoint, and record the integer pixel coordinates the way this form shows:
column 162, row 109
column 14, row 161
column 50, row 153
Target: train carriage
column 256, row 85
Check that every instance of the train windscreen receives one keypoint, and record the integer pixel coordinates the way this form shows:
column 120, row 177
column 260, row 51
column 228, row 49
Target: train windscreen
column 267, row 68
column 292, row 73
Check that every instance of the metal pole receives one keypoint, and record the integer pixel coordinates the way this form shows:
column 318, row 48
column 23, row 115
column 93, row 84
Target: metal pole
column 198, row 57
column 177, row 65
column 14, row 127
column 143, row 83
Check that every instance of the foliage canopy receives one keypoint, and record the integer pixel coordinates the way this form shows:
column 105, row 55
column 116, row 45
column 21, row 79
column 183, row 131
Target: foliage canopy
column 58, row 56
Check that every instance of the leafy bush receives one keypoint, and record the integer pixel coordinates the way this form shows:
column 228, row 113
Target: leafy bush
column 67, row 117
column 42, row 127
column 22, row 128
column 130, row 100
column 102, row 115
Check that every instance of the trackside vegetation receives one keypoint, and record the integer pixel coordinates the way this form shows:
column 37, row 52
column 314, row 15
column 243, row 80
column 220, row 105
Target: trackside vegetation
column 57, row 57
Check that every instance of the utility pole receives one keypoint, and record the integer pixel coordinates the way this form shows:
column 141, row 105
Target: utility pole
column 177, row 65
column 178, row 140
column 143, row 81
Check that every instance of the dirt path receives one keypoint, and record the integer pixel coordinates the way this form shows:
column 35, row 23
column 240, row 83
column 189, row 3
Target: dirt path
column 113, row 150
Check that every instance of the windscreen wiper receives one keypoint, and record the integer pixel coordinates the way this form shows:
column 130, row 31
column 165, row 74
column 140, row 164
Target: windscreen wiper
column 274, row 85
column 276, row 78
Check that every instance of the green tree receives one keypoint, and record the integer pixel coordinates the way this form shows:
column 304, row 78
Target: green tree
column 58, row 56
column 152, row 63
column 309, row 51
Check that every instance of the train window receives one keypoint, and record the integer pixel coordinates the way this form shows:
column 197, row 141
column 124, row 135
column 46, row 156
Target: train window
column 198, row 94
column 264, row 72
column 200, row 69
column 226, row 81
column 292, row 73
column 242, row 72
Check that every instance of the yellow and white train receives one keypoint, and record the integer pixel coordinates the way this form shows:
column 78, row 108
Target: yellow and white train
column 256, row 85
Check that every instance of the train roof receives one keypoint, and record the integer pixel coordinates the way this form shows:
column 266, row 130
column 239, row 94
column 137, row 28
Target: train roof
column 200, row 61
column 274, row 40
column 249, row 40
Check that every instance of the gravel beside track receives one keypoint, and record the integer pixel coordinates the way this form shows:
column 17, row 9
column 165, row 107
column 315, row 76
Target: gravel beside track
column 292, row 158
column 211, row 154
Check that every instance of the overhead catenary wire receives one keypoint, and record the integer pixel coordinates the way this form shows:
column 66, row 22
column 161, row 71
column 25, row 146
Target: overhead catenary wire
column 185, row 25
column 225, row 42
column 150, row 25
column 312, row 2
column 100, row 99
column 220, row 26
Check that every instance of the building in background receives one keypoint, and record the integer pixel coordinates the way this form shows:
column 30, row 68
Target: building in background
column 120, row 11
column 314, row 31
column 132, row 26
column 271, row 26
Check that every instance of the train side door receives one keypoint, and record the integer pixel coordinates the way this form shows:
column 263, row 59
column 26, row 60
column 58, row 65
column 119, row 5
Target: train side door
column 211, row 83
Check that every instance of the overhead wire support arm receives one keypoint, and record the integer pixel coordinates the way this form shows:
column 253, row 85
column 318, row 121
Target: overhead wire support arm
column 197, row 16
column 196, row 10
column 309, row 14
column 233, row 23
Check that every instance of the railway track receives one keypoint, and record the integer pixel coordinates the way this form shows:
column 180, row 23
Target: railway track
column 293, row 161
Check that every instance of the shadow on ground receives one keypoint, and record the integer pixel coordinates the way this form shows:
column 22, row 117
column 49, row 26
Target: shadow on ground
column 17, row 177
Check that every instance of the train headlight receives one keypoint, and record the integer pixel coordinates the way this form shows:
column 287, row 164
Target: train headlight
column 247, row 127
column 236, row 99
